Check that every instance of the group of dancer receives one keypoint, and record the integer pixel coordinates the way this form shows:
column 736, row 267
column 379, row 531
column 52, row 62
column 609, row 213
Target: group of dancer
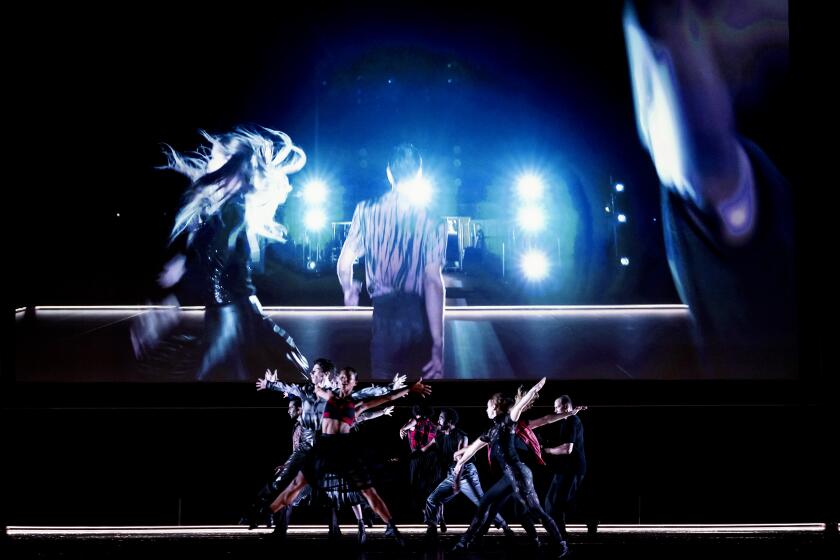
column 328, row 464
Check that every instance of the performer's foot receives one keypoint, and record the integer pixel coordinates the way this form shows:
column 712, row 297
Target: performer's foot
column 362, row 533
column 508, row 531
column 281, row 525
column 431, row 532
column 442, row 525
column 392, row 531
column 252, row 517
column 463, row 546
column 562, row 550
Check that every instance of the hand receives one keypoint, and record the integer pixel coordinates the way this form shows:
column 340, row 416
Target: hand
column 577, row 409
column 388, row 411
column 173, row 271
column 262, row 382
column 421, row 388
column 398, row 382
column 456, row 486
column 402, row 434
column 351, row 294
column 434, row 367
column 458, row 454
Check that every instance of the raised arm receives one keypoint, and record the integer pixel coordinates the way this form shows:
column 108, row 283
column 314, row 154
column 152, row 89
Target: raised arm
column 553, row 417
column 269, row 382
column 516, row 409
column 372, row 414
column 419, row 387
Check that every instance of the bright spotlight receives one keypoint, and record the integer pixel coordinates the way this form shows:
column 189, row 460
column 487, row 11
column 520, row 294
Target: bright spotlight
column 531, row 218
column 315, row 219
column 607, row 209
column 625, row 261
column 622, row 218
column 530, row 186
column 311, row 265
column 315, row 191
column 417, row 190
column 619, row 187
column 534, row 265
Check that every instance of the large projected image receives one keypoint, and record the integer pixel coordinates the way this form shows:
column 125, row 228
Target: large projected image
column 447, row 197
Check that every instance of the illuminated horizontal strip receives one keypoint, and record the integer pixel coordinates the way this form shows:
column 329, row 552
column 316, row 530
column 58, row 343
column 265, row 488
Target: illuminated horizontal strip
column 20, row 310
column 478, row 309
column 407, row 529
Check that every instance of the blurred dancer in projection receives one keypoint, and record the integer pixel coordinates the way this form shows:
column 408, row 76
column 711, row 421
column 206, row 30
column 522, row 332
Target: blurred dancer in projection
column 236, row 187
column 403, row 248
column 709, row 81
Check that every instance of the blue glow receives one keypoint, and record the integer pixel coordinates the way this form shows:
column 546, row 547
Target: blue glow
column 530, row 186
column 531, row 218
column 622, row 218
column 315, row 219
column 418, row 190
column 534, row 265
column 315, row 191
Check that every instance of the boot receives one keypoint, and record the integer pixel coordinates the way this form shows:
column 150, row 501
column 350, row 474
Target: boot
column 362, row 533
column 392, row 531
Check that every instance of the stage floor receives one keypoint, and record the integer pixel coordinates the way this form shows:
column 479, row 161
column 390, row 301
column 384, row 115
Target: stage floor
column 311, row 543
column 61, row 344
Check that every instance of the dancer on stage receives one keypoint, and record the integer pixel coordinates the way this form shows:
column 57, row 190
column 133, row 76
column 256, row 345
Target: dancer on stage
column 336, row 450
column 501, row 438
column 449, row 440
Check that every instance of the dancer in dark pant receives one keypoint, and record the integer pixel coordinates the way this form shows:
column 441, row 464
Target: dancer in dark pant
column 501, row 438
column 336, row 451
column 423, row 463
column 312, row 409
column 568, row 461
column 450, row 439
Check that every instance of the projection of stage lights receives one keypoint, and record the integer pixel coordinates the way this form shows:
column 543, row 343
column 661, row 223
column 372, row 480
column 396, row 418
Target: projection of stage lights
column 618, row 218
column 418, row 191
column 315, row 194
column 531, row 214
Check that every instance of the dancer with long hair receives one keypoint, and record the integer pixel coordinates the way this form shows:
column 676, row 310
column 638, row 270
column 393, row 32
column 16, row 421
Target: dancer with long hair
column 237, row 184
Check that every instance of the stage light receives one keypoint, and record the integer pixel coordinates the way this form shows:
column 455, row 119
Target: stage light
column 311, row 265
column 625, row 261
column 531, row 218
column 607, row 209
column 315, row 219
column 622, row 218
column 417, row 190
column 534, row 265
column 530, row 186
column 315, row 191
column 619, row 187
